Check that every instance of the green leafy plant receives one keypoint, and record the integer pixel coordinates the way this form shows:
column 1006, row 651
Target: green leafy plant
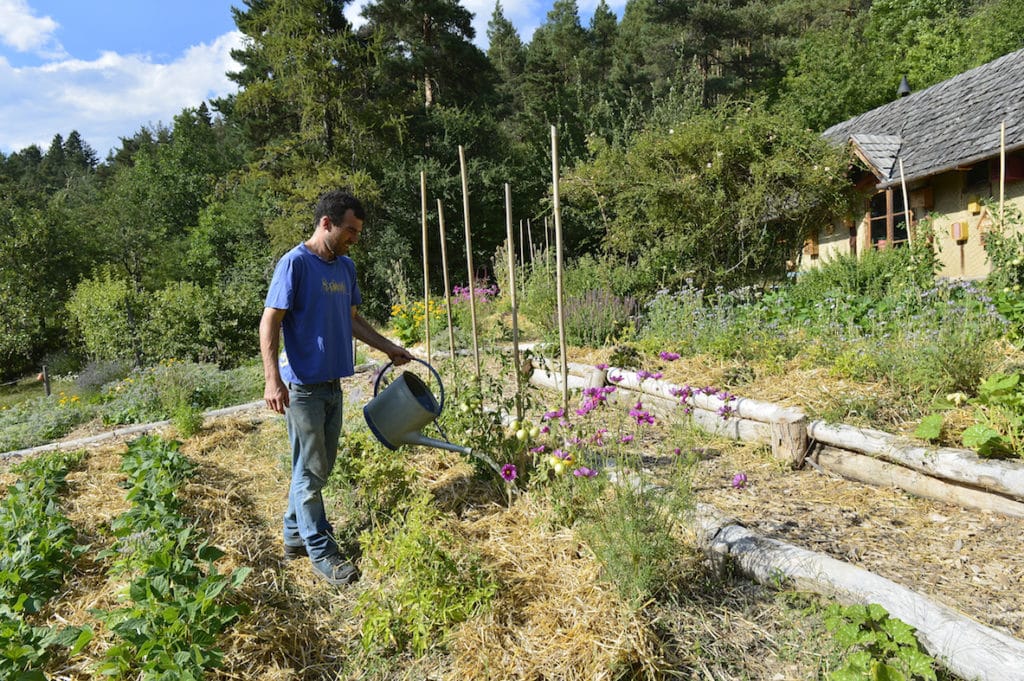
column 429, row 582
column 177, row 601
column 37, row 549
column 999, row 431
column 879, row 647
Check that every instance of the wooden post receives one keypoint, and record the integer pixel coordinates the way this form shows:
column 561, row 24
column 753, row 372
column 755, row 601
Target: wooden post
column 515, row 308
column 522, row 246
column 529, row 237
column 447, row 286
column 46, row 380
column 547, row 247
column 469, row 261
column 789, row 440
column 906, row 206
column 1002, row 170
column 559, row 292
column 426, row 269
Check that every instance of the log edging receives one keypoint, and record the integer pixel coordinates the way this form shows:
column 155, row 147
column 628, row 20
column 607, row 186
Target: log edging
column 965, row 647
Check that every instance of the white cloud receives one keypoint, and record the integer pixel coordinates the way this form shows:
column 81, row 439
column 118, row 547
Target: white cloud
column 109, row 97
column 23, row 31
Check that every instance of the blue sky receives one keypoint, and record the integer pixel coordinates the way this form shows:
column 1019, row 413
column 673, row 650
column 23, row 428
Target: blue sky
column 108, row 67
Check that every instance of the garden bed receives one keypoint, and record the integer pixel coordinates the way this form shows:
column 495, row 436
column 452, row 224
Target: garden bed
column 557, row 613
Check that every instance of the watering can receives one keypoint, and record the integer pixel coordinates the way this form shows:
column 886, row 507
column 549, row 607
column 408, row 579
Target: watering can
column 397, row 414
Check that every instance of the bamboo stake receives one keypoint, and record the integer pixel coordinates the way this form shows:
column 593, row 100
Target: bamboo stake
column 558, row 268
column 529, row 237
column 447, row 286
column 515, row 309
column 522, row 246
column 906, row 205
column 547, row 247
column 1002, row 169
column 469, row 260
column 426, row 269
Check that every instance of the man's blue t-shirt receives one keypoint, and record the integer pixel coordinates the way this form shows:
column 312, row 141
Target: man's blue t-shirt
column 318, row 296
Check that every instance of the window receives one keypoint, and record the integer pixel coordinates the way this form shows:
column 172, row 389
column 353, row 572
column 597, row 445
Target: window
column 888, row 219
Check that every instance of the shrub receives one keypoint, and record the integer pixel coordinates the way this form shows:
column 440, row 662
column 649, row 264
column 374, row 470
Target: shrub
column 597, row 317
column 106, row 312
column 180, row 323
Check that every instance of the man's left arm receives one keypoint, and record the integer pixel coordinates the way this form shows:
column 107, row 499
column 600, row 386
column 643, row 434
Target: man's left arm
column 363, row 331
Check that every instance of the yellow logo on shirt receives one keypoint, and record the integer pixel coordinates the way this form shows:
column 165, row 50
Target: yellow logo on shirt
column 334, row 286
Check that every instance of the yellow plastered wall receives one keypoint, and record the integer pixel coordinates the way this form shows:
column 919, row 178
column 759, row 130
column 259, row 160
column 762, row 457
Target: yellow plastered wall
column 959, row 261
column 965, row 260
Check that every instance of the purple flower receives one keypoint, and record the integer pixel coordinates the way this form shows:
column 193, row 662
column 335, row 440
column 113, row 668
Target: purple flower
column 584, row 472
column 643, row 374
column 545, row 429
column 625, row 439
column 677, row 451
column 656, row 375
column 562, row 454
column 616, row 378
column 509, row 472
column 668, row 356
column 539, row 449
column 739, row 480
column 602, row 366
column 556, row 414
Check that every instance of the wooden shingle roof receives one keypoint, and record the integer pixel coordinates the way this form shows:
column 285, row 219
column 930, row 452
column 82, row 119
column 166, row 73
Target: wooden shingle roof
column 952, row 124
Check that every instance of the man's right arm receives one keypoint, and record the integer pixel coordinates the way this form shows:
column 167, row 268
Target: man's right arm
column 275, row 392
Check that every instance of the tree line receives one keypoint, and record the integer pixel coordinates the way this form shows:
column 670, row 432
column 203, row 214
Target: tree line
column 689, row 141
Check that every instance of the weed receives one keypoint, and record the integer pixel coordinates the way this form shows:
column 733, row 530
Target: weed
column 878, row 646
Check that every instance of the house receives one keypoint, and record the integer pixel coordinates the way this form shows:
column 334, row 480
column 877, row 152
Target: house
column 944, row 151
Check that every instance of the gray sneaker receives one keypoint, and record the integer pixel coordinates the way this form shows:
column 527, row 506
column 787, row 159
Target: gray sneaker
column 336, row 570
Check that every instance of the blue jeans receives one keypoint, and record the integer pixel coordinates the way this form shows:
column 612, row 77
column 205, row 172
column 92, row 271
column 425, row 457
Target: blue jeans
column 314, row 426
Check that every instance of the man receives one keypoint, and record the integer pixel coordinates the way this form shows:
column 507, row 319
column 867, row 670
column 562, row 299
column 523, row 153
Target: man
column 312, row 300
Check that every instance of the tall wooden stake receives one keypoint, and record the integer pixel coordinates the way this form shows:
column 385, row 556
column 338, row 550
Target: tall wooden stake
column 906, row 206
column 426, row 269
column 547, row 248
column 529, row 238
column 1002, row 169
column 469, row 260
column 515, row 308
column 447, row 286
column 559, row 293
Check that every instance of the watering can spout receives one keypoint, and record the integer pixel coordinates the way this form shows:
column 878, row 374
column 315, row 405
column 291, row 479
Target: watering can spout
column 424, row 441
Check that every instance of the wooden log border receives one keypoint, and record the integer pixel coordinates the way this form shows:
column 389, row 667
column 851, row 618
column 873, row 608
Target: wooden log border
column 956, row 476
column 965, row 647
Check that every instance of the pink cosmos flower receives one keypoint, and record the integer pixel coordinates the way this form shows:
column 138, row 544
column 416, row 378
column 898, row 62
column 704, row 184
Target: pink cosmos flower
column 584, row 472
column 509, row 472
column 668, row 356
column 739, row 480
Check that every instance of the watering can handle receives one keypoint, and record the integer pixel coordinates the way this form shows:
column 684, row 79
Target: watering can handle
column 440, row 385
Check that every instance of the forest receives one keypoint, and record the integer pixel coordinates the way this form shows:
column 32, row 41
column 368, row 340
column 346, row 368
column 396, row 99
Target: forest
column 689, row 136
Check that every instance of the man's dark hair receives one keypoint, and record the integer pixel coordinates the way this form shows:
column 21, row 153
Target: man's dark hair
column 334, row 204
